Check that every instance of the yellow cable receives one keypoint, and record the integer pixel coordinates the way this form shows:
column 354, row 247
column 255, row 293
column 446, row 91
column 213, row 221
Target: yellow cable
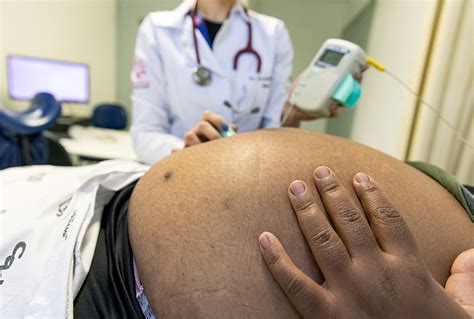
column 381, row 67
column 375, row 64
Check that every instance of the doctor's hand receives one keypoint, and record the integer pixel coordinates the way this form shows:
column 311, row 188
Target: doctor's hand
column 370, row 271
column 208, row 129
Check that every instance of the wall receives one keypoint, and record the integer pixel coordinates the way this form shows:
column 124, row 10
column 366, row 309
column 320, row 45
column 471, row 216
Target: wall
column 448, row 89
column 129, row 16
column 399, row 38
column 75, row 30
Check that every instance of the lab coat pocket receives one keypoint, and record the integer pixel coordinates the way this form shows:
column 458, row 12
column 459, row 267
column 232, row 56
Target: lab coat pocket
column 257, row 92
column 262, row 84
column 253, row 102
column 190, row 100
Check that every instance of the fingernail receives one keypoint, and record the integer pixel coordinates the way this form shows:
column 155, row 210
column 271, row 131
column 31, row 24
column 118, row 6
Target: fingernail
column 265, row 240
column 297, row 188
column 362, row 178
column 322, row 172
column 224, row 127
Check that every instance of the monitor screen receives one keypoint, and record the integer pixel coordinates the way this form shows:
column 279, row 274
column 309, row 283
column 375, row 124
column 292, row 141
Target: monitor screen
column 67, row 81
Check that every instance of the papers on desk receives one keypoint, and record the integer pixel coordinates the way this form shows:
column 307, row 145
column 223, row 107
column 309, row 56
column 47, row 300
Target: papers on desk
column 98, row 143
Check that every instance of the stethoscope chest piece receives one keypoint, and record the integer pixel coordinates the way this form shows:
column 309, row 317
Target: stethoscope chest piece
column 202, row 75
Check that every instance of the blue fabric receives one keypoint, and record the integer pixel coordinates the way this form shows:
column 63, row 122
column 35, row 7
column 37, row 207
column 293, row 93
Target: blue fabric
column 111, row 116
column 42, row 114
column 11, row 153
column 15, row 126
column 201, row 26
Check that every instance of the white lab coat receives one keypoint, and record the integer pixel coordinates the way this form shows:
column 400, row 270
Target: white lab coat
column 167, row 102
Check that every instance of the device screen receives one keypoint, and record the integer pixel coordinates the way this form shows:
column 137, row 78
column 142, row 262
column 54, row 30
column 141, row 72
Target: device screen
column 331, row 57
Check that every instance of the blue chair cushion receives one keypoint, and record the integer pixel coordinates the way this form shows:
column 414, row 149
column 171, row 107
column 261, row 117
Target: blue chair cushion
column 21, row 138
column 112, row 116
column 42, row 115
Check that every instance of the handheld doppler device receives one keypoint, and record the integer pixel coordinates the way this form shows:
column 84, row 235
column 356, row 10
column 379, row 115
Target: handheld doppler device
column 329, row 77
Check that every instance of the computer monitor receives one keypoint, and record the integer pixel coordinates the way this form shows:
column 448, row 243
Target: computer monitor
column 67, row 81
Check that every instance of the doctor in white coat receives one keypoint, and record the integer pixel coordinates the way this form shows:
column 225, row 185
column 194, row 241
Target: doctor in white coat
column 203, row 67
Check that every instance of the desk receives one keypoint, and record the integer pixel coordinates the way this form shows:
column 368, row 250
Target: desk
column 98, row 144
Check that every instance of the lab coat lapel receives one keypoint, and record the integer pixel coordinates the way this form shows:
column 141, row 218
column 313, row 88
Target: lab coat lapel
column 181, row 20
column 208, row 58
column 232, row 38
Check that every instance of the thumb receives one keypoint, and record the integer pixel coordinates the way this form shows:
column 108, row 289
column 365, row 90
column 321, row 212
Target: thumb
column 460, row 285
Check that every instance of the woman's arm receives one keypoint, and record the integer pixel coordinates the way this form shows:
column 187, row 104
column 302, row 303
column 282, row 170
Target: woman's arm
column 280, row 84
column 150, row 110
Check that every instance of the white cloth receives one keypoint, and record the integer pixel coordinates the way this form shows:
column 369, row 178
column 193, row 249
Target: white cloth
column 49, row 220
column 167, row 102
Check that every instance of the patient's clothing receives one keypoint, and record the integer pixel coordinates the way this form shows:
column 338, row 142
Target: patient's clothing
column 112, row 288
column 50, row 221
column 462, row 193
column 109, row 290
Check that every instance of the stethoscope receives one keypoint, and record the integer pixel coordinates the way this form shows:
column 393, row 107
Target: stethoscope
column 202, row 75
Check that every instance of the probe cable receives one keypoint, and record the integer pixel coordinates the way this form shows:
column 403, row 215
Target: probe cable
column 382, row 68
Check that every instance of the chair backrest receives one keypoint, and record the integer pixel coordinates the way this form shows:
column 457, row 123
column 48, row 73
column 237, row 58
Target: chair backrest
column 21, row 138
column 23, row 150
column 112, row 116
column 42, row 115
column 58, row 155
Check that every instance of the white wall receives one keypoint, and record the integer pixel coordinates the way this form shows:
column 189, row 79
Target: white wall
column 399, row 38
column 75, row 30
column 449, row 89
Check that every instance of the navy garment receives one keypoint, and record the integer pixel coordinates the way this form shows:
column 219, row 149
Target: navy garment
column 212, row 30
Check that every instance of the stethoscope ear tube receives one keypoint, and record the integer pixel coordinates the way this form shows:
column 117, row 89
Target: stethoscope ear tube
column 248, row 50
column 202, row 75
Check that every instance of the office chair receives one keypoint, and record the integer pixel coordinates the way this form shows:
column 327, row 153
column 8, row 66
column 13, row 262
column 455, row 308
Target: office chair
column 21, row 133
column 112, row 116
column 58, row 156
